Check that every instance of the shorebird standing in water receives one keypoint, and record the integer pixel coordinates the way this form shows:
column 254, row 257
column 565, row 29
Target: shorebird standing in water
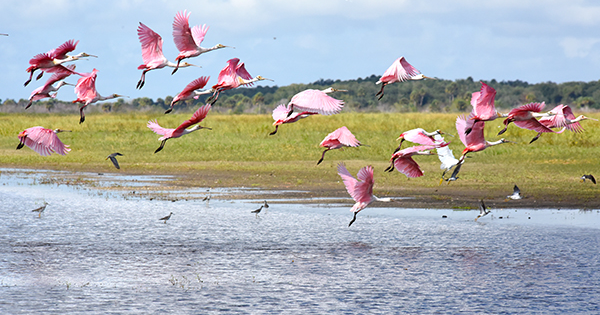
column 483, row 210
column 516, row 194
column 166, row 218
column 590, row 177
column 40, row 209
column 257, row 211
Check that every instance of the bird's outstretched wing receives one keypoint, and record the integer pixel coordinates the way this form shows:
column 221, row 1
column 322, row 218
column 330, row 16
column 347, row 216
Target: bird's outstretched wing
column 198, row 116
column 152, row 44
column 61, row 51
column 182, row 34
column 316, row 101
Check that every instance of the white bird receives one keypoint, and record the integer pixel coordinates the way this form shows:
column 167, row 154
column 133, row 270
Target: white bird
column 516, row 194
column 445, row 155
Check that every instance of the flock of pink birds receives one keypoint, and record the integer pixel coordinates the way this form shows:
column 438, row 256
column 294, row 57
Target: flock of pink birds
column 310, row 102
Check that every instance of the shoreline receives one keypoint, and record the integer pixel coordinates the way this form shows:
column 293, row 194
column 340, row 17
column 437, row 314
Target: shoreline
column 436, row 197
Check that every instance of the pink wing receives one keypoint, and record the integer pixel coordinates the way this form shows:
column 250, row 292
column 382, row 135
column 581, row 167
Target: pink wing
column 343, row 135
column 60, row 73
column 364, row 188
column 241, row 71
column 198, row 33
column 349, row 180
column 158, row 129
column 476, row 135
column 40, row 60
column 568, row 113
column 280, row 112
column 198, row 116
column 182, row 34
column 86, row 87
column 484, row 107
column 316, row 101
column 152, row 43
column 44, row 141
column 407, row 166
column 399, row 71
column 532, row 124
column 62, row 50
column 194, row 85
column 417, row 136
column 558, row 119
column 523, row 109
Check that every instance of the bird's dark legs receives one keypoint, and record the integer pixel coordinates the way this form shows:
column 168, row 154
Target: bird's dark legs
column 29, row 104
column 505, row 127
column 380, row 93
column 162, row 145
column 390, row 168
column 399, row 146
column 535, row 138
column 322, row 156
column 290, row 111
column 468, row 130
column 21, row 144
column 176, row 67
column 169, row 110
column 39, row 75
column 141, row 82
column 274, row 132
column 30, row 76
column 81, row 114
column 353, row 219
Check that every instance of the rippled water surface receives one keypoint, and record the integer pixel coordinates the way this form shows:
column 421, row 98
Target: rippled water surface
column 97, row 252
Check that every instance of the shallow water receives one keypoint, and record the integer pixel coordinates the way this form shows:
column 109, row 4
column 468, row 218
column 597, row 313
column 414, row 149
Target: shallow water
column 94, row 251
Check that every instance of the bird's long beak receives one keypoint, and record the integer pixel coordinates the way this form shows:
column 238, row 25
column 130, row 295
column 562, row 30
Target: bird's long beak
column 592, row 118
column 426, row 77
column 336, row 90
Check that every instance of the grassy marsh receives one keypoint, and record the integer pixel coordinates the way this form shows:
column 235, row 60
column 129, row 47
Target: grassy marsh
column 239, row 152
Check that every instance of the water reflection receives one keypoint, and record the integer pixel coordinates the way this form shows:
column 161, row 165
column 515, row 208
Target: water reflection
column 93, row 251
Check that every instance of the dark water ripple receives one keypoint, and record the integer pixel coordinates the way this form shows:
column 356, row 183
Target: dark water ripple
column 90, row 253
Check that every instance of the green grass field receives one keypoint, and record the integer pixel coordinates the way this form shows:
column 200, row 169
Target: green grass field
column 239, row 152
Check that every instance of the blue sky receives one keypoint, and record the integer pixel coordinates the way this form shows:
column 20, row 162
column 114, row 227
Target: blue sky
column 304, row 41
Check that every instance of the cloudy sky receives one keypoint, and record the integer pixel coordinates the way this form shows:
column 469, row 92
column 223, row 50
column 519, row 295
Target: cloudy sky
column 304, row 41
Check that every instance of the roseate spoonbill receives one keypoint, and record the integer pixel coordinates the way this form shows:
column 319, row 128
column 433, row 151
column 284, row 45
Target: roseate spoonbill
column 516, row 194
column 399, row 71
column 152, row 53
column 483, row 105
column 87, row 94
column 188, row 39
column 419, row 136
column 46, row 90
column 40, row 209
column 524, row 117
column 361, row 189
column 43, row 141
column 339, row 138
column 167, row 134
column 189, row 92
column 166, row 218
column 483, row 210
column 564, row 117
column 316, row 101
column 280, row 116
column 474, row 141
column 404, row 163
column 113, row 159
column 590, row 177
column 233, row 75
column 53, row 59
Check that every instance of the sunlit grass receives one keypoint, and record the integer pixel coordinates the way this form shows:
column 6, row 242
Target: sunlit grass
column 239, row 152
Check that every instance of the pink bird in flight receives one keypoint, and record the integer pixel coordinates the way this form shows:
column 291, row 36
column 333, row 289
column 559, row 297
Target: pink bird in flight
column 152, row 53
column 48, row 88
column 399, row 71
column 233, row 76
column 484, row 108
column 420, row 136
column 316, row 101
column 280, row 115
column 360, row 188
column 167, row 134
column 52, row 60
column 43, row 141
column 188, row 39
column 524, row 117
column 339, row 138
column 405, row 164
column 87, row 94
column 189, row 92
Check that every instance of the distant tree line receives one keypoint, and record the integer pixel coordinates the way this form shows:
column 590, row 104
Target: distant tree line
column 414, row 96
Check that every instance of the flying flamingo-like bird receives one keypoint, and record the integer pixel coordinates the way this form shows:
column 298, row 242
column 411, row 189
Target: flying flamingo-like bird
column 316, row 101
column 52, row 61
column 404, row 163
column 46, row 90
column 43, row 141
column 420, row 136
column 87, row 94
column 361, row 189
column 189, row 92
column 233, row 76
column 564, row 118
column 167, row 134
column 524, row 117
column 484, row 108
column 339, row 138
column 399, row 71
column 280, row 115
column 474, row 141
column 188, row 39
column 152, row 53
